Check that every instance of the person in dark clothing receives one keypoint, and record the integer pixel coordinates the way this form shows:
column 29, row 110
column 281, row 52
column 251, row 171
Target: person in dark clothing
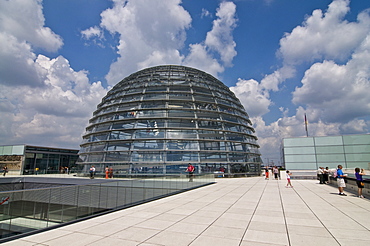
column 326, row 175
column 92, row 172
column 5, row 170
column 359, row 181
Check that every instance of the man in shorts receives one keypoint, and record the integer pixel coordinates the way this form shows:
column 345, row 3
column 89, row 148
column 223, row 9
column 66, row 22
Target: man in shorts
column 340, row 180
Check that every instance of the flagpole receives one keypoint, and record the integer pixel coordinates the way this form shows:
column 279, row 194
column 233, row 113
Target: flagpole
column 305, row 123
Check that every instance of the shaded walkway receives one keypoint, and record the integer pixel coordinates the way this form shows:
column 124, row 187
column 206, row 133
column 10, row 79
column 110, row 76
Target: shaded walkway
column 240, row 211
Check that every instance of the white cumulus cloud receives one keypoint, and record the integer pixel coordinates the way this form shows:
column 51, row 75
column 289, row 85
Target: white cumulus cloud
column 253, row 96
column 154, row 32
column 25, row 21
column 61, row 107
column 92, row 32
column 334, row 89
column 338, row 92
column 149, row 32
column 220, row 38
column 42, row 100
column 325, row 35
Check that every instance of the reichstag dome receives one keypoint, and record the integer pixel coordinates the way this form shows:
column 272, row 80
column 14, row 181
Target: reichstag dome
column 161, row 118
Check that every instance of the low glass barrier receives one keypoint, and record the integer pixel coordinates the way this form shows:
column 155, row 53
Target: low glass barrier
column 28, row 211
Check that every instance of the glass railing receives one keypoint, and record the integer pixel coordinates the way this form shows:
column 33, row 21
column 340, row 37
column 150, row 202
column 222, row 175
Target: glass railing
column 27, row 211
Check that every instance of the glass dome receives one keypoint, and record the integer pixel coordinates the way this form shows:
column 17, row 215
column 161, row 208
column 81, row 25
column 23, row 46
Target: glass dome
column 162, row 118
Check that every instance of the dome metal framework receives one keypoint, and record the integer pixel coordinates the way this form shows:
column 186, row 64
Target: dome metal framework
column 161, row 118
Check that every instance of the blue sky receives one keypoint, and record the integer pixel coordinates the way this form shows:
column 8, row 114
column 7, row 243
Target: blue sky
column 282, row 59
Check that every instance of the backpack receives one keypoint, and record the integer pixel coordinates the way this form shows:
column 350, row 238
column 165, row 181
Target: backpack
column 335, row 174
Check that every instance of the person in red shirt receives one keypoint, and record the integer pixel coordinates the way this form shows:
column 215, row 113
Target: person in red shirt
column 267, row 173
column 190, row 170
column 106, row 172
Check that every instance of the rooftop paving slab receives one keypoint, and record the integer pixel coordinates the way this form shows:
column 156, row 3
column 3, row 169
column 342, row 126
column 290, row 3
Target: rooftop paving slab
column 235, row 211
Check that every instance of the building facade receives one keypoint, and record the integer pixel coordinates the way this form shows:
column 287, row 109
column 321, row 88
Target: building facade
column 27, row 159
column 310, row 153
column 162, row 118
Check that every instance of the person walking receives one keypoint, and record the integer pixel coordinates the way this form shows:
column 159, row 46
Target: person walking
column 326, row 175
column 110, row 172
column 320, row 175
column 267, row 173
column 276, row 172
column 190, row 170
column 359, row 181
column 5, row 170
column 340, row 180
column 288, row 174
column 92, row 172
column 106, row 172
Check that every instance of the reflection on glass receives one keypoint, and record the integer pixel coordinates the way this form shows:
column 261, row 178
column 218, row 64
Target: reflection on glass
column 182, row 145
column 181, row 123
column 118, row 146
column 148, row 144
column 181, row 134
column 212, row 145
column 120, row 135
